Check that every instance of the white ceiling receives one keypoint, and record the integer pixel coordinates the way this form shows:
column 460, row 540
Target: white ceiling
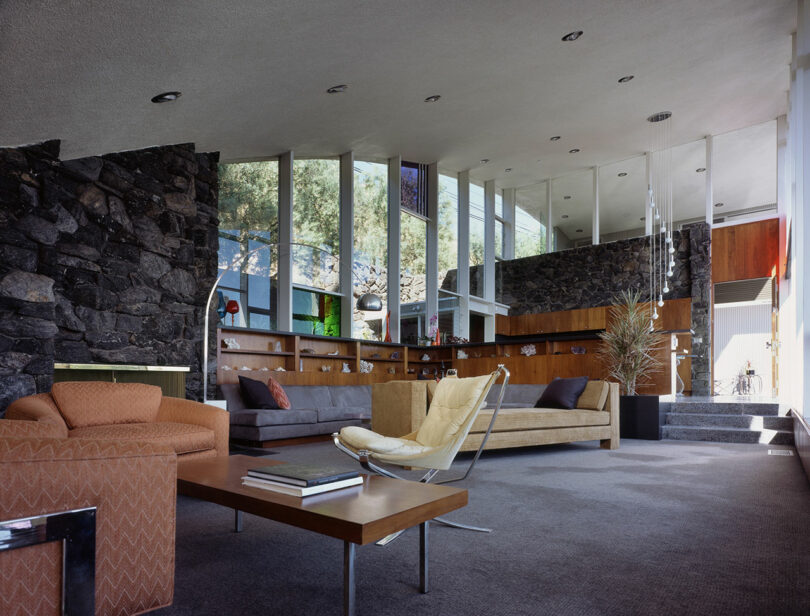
column 254, row 75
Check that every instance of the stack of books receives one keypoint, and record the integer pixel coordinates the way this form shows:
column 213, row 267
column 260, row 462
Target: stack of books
column 300, row 479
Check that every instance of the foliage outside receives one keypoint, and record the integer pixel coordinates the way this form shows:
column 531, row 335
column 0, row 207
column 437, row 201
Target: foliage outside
column 629, row 343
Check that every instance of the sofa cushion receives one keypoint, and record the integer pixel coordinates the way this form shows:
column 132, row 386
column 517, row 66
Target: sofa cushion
column 256, row 394
column 562, row 393
column 308, row 396
column 277, row 391
column 351, row 395
column 594, row 396
column 535, row 419
column 232, row 395
column 183, row 438
column 337, row 413
column 268, row 417
column 97, row 403
column 523, row 395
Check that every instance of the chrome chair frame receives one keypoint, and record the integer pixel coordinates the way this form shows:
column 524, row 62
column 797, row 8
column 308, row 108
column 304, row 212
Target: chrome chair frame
column 362, row 456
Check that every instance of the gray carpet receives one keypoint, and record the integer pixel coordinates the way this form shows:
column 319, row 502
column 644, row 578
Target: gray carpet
column 652, row 528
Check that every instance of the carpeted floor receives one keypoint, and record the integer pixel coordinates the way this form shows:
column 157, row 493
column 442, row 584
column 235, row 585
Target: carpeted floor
column 664, row 528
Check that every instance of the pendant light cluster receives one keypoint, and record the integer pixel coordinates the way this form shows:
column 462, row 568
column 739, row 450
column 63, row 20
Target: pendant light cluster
column 659, row 209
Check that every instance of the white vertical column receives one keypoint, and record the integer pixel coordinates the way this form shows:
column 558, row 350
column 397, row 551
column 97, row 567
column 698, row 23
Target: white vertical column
column 346, row 243
column 285, row 236
column 595, row 231
column 489, row 258
column 394, row 204
column 648, row 219
column 709, row 184
column 549, row 222
column 432, row 248
column 801, row 115
column 509, row 203
column 782, row 198
column 463, row 327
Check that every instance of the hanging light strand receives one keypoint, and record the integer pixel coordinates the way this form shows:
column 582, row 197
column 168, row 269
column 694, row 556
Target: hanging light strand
column 660, row 209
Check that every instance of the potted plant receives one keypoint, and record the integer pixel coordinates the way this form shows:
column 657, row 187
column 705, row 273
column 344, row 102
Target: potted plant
column 628, row 351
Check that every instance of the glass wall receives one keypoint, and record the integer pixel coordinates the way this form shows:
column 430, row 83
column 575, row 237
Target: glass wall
column 370, row 262
column 316, row 313
column 316, row 222
column 413, row 249
column 448, row 253
column 530, row 230
column 248, row 216
column 476, row 239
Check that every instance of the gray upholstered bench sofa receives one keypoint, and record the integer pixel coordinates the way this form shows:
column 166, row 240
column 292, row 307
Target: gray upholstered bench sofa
column 314, row 410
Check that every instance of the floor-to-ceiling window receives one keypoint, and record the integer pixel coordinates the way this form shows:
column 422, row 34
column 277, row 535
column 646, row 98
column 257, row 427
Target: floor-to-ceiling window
column 413, row 248
column 448, row 253
column 370, row 263
column 248, row 219
column 530, row 230
column 476, row 239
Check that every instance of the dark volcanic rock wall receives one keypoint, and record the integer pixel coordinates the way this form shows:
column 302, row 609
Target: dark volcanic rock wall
column 103, row 259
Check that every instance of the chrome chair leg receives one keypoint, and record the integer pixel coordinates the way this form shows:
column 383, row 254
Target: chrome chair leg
column 477, row 529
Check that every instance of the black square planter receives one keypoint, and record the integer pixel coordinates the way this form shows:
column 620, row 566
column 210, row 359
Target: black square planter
column 639, row 418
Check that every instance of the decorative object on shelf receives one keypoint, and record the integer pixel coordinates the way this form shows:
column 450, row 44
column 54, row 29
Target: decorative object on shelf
column 423, row 341
column 232, row 308
column 395, row 355
column 264, row 369
column 425, row 357
column 505, row 354
column 374, row 356
column 221, row 306
column 476, row 354
column 231, row 343
column 456, row 340
column 277, row 347
column 325, row 368
column 628, row 343
column 578, row 350
column 433, row 330
column 280, row 369
column 345, row 368
column 392, row 370
column 387, row 327
column 309, row 351
column 528, row 350
column 460, row 354
column 227, row 368
column 659, row 211
column 335, row 352
column 411, row 370
column 245, row 368
column 366, row 302
column 366, row 366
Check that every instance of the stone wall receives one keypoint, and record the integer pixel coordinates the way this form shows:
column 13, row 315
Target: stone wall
column 103, row 259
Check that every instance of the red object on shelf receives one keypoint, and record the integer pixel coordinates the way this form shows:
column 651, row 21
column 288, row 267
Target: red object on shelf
column 232, row 307
column 438, row 340
column 387, row 327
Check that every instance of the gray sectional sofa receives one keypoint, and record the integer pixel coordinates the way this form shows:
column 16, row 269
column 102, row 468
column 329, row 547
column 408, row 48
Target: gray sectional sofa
column 314, row 410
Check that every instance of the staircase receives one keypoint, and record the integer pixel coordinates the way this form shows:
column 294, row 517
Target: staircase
column 727, row 421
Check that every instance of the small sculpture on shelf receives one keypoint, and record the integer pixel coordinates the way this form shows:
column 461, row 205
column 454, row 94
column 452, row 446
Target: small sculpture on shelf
column 395, row 355
column 392, row 370
column 578, row 350
column 425, row 357
column 264, row 369
column 309, row 351
column 460, row 354
column 325, row 368
column 335, row 352
column 227, row 368
column 231, row 343
column 528, row 350
column 346, row 368
column 366, row 366
column 245, row 368
column 277, row 347
column 280, row 369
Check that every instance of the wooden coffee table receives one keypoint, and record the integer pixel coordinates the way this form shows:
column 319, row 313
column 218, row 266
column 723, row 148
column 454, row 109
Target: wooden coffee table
column 357, row 515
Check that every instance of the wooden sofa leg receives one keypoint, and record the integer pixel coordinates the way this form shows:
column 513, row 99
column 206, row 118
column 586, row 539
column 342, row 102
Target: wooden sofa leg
column 609, row 443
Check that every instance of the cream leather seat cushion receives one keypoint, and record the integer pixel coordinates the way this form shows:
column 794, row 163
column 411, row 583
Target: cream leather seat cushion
column 532, row 419
column 452, row 403
column 360, row 438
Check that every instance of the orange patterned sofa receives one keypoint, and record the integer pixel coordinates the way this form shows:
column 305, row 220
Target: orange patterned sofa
column 127, row 412
column 132, row 485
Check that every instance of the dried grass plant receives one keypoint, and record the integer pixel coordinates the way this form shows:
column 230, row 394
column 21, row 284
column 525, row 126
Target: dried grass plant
column 629, row 343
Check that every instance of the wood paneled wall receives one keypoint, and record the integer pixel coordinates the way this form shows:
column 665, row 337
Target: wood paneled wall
column 745, row 251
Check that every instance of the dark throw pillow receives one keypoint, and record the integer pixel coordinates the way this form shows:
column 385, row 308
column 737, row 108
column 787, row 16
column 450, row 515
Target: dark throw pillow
column 562, row 393
column 256, row 394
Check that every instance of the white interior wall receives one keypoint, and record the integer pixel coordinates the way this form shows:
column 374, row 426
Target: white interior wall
column 741, row 333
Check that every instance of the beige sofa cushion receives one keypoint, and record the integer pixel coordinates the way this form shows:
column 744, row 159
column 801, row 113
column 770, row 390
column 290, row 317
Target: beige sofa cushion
column 594, row 396
column 535, row 419
column 97, row 403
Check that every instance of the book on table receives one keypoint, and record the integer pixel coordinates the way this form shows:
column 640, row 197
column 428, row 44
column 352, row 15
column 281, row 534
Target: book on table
column 291, row 490
column 303, row 475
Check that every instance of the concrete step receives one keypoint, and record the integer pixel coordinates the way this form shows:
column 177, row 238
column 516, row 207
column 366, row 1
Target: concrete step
column 723, row 408
column 749, row 422
column 728, row 435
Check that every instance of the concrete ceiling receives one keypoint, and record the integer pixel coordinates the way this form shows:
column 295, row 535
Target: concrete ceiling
column 254, row 74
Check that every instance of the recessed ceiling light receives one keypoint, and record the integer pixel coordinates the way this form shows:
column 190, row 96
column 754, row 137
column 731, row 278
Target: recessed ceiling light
column 508, row 170
column 573, row 151
column 721, row 204
column 166, row 97
column 622, row 174
column 432, row 99
column 555, row 138
column 579, row 230
column 484, row 161
column 337, row 89
column 660, row 116
column 572, row 36
column 567, row 197
column 625, row 79
column 564, row 216
column 700, row 169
